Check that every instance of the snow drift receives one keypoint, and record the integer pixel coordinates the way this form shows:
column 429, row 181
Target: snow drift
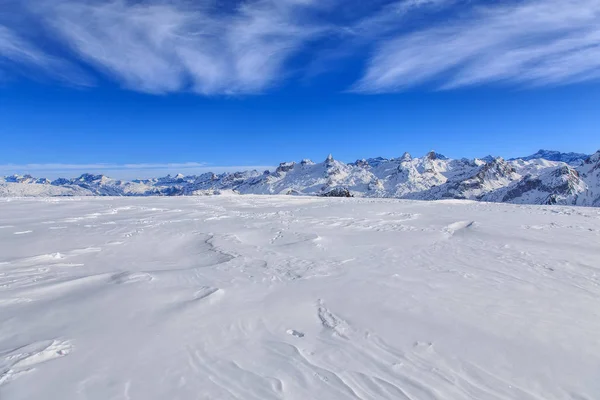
column 284, row 297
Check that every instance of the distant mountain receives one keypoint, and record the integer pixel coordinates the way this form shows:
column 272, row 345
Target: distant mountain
column 537, row 180
column 550, row 155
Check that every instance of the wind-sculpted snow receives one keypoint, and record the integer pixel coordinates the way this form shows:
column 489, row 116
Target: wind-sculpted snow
column 432, row 177
column 284, row 297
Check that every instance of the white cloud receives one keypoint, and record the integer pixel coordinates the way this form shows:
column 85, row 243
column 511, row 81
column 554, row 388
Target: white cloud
column 208, row 47
column 532, row 42
column 121, row 171
column 17, row 50
column 392, row 16
column 26, row 57
column 167, row 46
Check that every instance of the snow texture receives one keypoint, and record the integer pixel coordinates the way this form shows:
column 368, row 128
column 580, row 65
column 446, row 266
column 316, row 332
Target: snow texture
column 283, row 297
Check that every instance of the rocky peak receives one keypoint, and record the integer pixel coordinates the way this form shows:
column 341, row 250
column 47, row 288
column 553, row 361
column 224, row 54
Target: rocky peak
column 406, row 157
column 432, row 155
column 498, row 167
column 89, row 178
column 285, row 167
column 469, row 162
column 60, row 181
column 552, row 187
column 564, row 170
column 331, row 165
column 362, row 163
column 374, row 162
column 20, row 179
column 23, row 179
column 12, row 178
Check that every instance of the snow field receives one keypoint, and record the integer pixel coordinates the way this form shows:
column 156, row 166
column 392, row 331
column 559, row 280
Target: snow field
column 279, row 297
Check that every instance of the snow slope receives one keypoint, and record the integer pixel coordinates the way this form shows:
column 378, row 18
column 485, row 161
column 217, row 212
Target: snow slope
column 283, row 297
column 431, row 177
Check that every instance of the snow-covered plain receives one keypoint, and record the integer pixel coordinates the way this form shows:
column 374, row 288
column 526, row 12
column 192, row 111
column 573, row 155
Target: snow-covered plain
column 250, row 297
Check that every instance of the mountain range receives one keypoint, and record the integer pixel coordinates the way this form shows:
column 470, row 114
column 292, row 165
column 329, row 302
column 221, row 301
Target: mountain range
column 546, row 177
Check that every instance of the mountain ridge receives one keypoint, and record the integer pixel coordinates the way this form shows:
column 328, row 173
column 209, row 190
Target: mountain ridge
column 552, row 155
column 431, row 177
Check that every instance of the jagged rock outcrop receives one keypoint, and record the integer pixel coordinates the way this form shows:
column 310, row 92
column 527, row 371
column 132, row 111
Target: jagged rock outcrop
column 285, row 167
column 556, row 186
column 590, row 174
column 337, row 192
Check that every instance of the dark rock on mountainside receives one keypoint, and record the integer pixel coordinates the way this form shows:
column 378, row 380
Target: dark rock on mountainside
column 338, row 192
column 553, row 187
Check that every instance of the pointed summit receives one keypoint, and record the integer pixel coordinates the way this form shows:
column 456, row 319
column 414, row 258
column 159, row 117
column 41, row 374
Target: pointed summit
column 432, row 155
column 329, row 158
column 406, row 156
column 90, row 178
column 363, row 163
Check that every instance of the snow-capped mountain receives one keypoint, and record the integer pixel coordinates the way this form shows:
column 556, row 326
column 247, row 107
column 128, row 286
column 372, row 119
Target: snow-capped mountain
column 25, row 179
column 431, row 177
column 589, row 173
column 551, row 155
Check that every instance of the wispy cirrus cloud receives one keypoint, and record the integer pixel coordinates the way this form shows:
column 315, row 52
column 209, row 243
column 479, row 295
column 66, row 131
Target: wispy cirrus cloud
column 392, row 16
column 15, row 48
column 532, row 42
column 249, row 46
column 19, row 51
column 26, row 57
column 164, row 46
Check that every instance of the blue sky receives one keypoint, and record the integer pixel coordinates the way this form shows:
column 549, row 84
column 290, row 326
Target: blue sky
column 139, row 88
